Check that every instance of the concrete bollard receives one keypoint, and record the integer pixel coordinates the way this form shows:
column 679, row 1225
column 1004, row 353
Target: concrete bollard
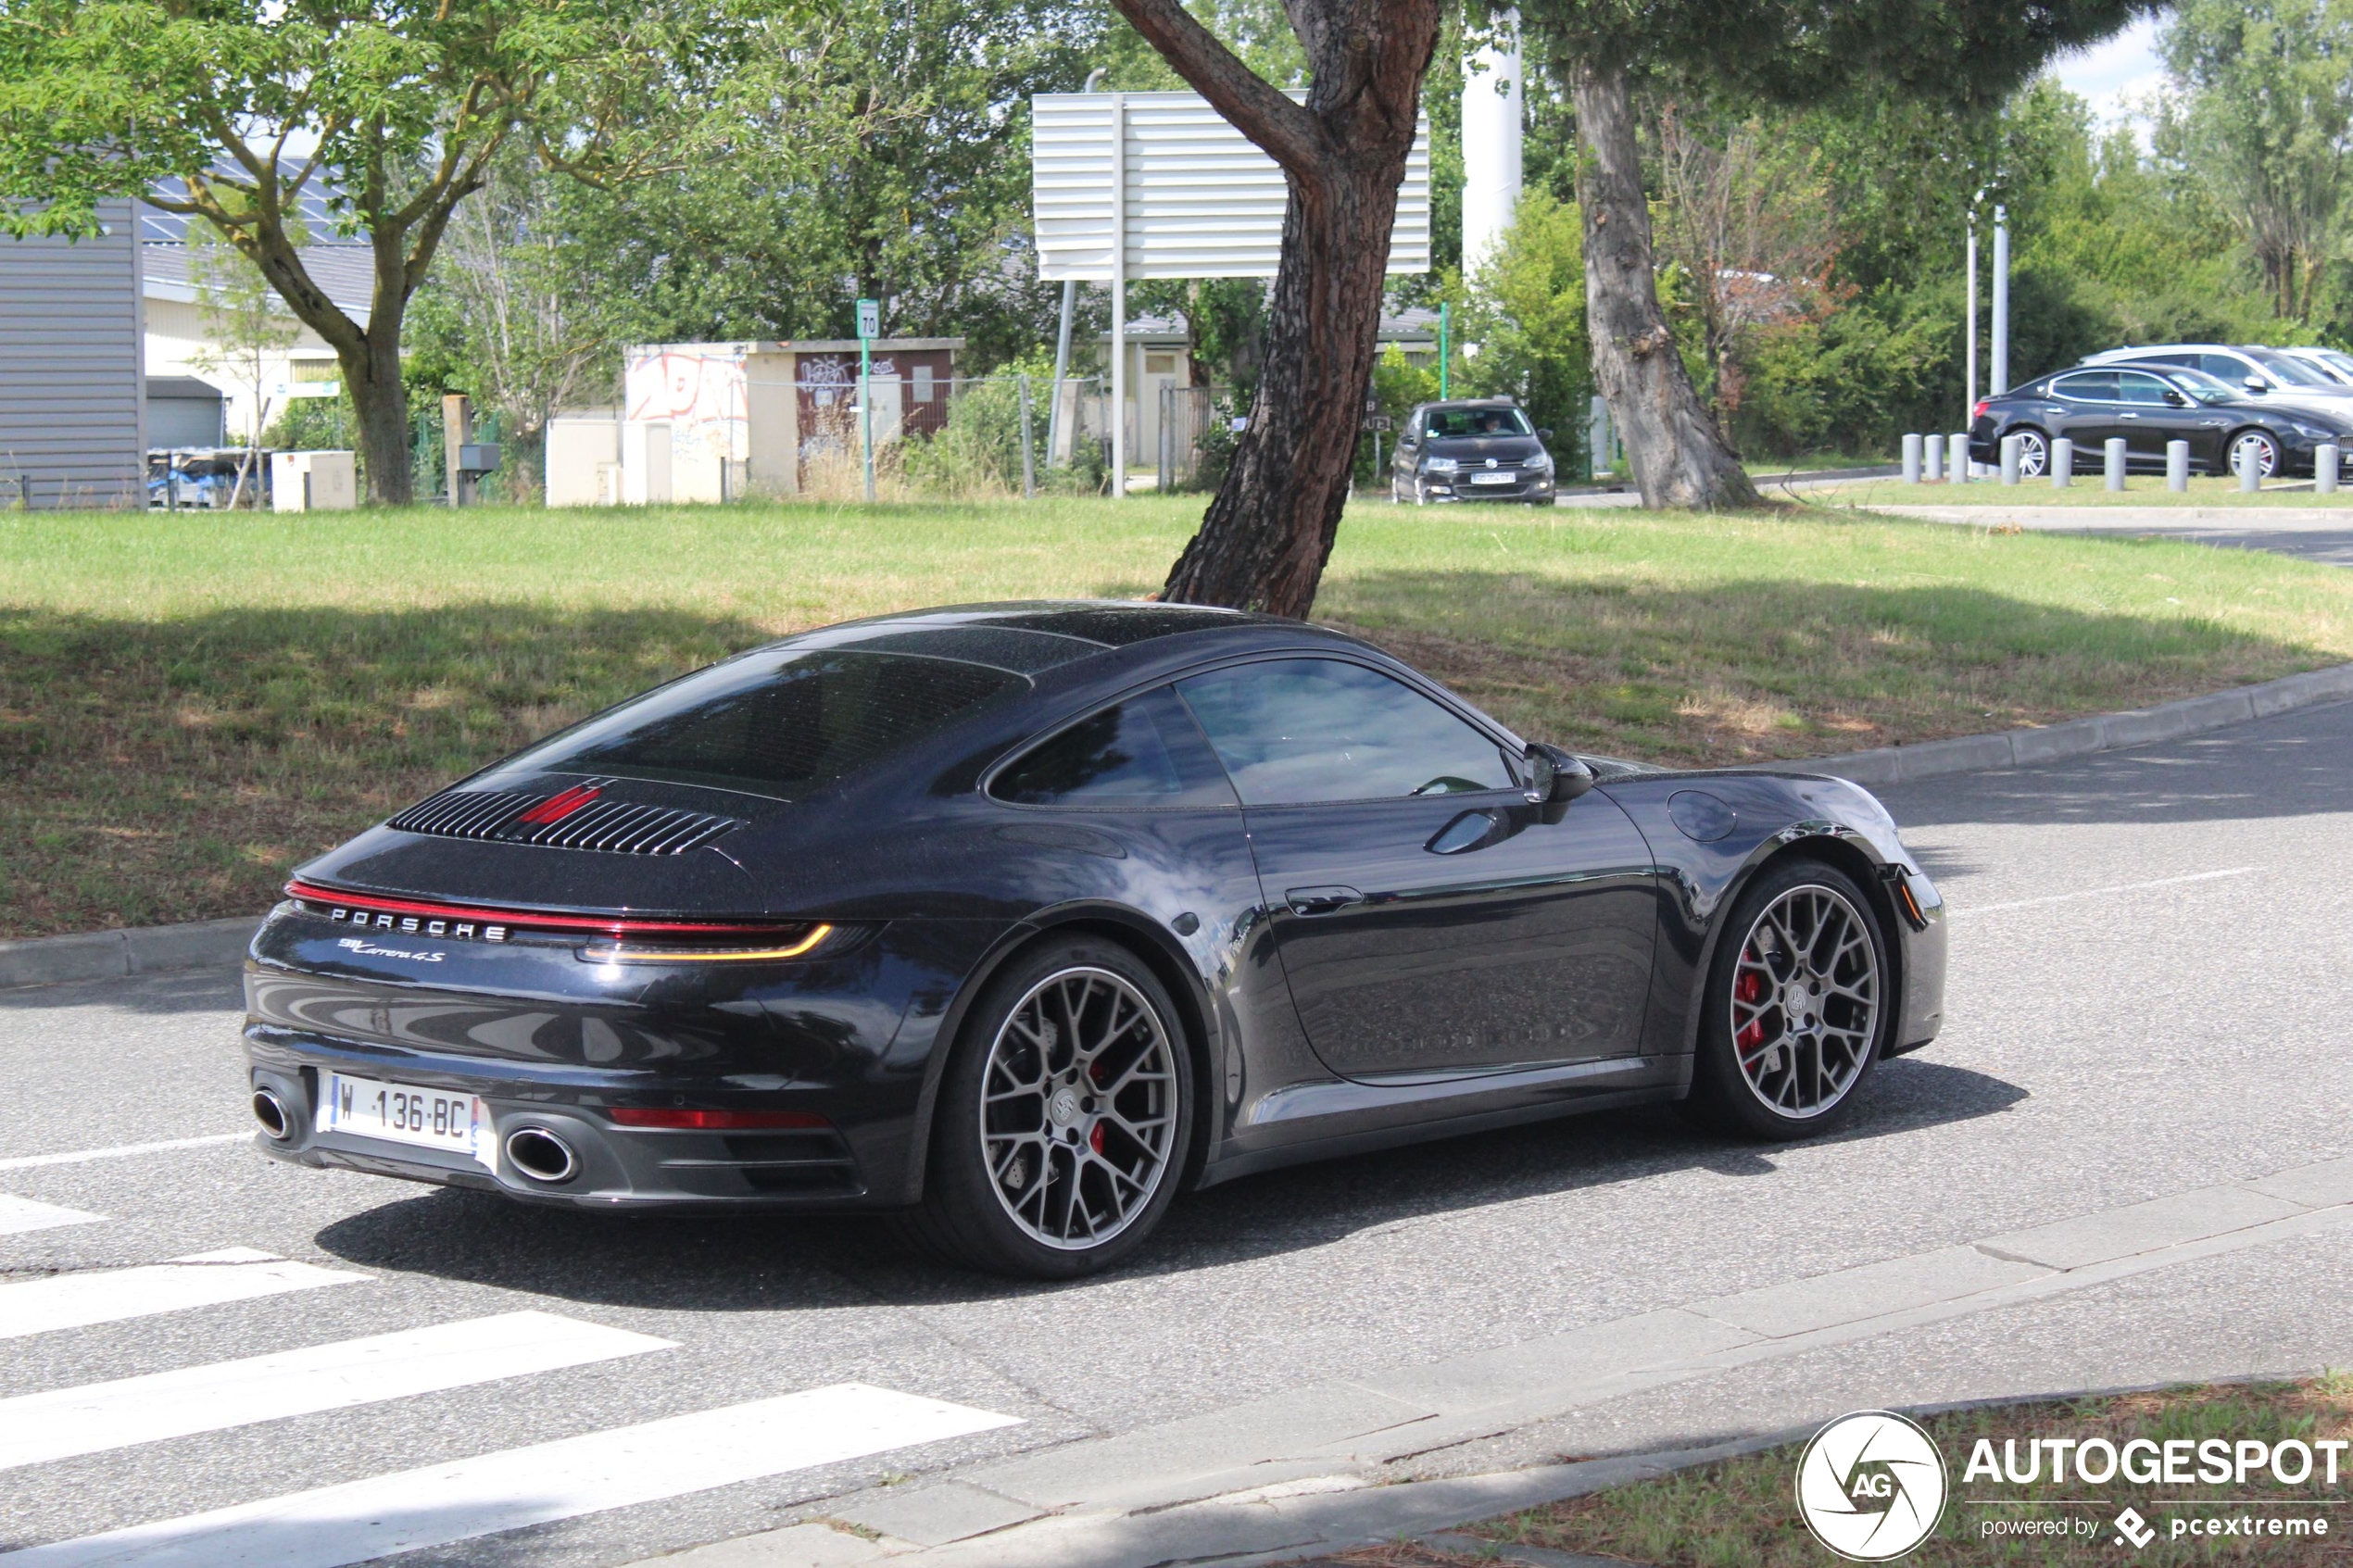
column 2324, row 460
column 2116, row 462
column 2062, row 463
column 2250, row 471
column 1933, row 450
column 2177, row 465
column 1911, row 459
column 1956, row 458
column 2010, row 443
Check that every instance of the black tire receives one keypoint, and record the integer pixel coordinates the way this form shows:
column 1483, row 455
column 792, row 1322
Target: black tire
column 2033, row 451
column 962, row 1220
column 2270, row 464
column 1765, row 1101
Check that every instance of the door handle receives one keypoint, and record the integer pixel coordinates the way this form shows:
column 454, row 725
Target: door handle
column 1321, row 900
column 2128, row 416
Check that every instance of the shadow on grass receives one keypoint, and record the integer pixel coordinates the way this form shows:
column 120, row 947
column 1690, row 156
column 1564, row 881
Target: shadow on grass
column 766, row 1263
column 173, row 769
column 1767, row 669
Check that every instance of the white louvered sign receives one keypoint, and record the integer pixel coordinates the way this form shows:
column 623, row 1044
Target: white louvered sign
column 1194, row 197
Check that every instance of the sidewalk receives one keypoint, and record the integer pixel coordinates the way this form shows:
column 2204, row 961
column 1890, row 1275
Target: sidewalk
column 1331, row 1465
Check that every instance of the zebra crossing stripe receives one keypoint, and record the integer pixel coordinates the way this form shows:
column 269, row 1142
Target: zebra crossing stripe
column 20, row 1214
column 441, row 1504
column 204, row 1279
column 61, row 1423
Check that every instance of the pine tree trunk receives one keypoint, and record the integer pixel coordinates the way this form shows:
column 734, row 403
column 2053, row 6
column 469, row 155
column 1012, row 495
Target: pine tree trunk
column 1679, row 453
column 1269, row 531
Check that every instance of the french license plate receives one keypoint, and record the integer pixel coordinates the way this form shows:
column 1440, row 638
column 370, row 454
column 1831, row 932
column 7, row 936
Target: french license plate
column 1495, row 479
column 371, row 1107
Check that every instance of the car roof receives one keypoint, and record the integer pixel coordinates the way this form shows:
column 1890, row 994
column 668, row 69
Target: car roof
column 1502, row 402
column 1030, row 636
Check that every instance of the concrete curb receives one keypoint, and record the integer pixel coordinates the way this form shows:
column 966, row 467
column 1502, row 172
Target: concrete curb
column 113, row 955
column 2081, row 737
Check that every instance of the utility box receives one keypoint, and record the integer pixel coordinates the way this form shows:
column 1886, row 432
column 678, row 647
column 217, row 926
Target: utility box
column 313, row 482
column 584, row 458
column 478, row 458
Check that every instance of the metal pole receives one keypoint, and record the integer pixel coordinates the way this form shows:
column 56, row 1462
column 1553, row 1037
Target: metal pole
column 2062, row 463
column 1911, row 459
column 1442, row 355
column 1028, row 447
column 1118, row 296
column 1166, row 480
column 2324, row 474
column 866, row 407
column 1969, row 387
column 1062, row 339
column 2177, row 465
column 2001, row 382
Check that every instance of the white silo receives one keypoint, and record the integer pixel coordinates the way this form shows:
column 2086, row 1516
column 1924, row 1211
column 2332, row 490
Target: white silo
column 1491, row 142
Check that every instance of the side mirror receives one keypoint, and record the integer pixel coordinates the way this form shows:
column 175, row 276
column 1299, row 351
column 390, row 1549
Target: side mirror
column 1554, row 776
column 2175, row 400
column 1543, row 436
column 2257, row 383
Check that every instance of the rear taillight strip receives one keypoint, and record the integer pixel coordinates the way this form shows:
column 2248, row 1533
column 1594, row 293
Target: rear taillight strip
column 772, row 933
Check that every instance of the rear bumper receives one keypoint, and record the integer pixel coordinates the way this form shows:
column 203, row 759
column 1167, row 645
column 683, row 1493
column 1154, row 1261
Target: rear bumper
column 619, row 1167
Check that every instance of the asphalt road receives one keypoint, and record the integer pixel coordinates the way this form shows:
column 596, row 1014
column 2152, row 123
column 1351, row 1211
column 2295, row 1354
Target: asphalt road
column 2148, row 997
column 2322, row 534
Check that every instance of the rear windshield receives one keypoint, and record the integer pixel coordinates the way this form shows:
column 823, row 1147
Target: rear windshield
column 1447, row 424
column 783, row 725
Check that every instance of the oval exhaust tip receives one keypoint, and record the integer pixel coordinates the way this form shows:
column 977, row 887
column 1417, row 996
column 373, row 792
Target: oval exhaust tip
column 270, row 1111
column 541, row 1155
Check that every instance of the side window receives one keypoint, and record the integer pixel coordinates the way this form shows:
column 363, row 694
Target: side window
column 1146, row 751
column 2092, row 386
column 1300, row 731
column 2140, row 389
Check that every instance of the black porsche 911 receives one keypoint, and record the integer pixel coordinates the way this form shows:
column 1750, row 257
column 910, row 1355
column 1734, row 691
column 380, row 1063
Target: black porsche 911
column 1014, row 920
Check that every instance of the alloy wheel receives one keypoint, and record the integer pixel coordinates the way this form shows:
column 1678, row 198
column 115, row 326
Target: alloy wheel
column 1805, row 1001
column 2257, row 447
column 2034, row 454
column 1078, row 1108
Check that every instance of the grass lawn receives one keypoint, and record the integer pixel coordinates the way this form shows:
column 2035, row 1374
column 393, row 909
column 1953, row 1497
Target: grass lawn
column 1743, row 1513
column 2140, row 490
column 189, row 705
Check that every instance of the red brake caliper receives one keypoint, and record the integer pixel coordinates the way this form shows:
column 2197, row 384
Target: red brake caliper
column 1750, row 988
column 1095, row 1137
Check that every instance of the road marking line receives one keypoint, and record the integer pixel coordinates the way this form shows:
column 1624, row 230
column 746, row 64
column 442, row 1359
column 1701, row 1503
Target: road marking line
column 38, row 1428
column 18, row 1215
column 2102, row 892
column 441, row 1504
column 204, row 1279
column 82, row 1155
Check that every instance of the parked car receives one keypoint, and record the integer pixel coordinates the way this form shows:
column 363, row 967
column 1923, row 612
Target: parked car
column 2333, row 362
column 2149, row 407
column 2247, row 368
column 1480, row 449
column 1015, row 920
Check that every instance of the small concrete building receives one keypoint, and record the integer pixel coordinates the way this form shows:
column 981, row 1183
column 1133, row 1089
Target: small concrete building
column 713, row 421
column 72, row 400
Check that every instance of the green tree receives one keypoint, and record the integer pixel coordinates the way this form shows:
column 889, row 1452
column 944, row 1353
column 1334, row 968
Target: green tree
column 245, row 329
column 1526, row 314
column 2263, row 119
column 1765, row 51
column 246, row 104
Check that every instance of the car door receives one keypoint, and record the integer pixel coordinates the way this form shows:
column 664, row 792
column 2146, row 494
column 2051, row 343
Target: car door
column 1409, row 451
column 2088, row 399
column 1431, row 921
column 2150, row 417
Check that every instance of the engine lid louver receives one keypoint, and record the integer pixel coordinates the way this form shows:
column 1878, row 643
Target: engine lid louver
column 577, row 818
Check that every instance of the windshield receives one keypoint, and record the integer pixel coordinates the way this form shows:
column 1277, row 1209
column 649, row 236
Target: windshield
column 2198, row 384
column 782, row 723
column 1446, row 423
column 2291, row 369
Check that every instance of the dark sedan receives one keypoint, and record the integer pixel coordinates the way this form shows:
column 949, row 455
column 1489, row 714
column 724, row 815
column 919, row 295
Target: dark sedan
column 2147, row 407
column 1014, row 920
column 1480, row 450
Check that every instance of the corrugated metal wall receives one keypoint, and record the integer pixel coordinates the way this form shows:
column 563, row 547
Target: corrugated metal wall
column 1202, row 200
column 70, row 402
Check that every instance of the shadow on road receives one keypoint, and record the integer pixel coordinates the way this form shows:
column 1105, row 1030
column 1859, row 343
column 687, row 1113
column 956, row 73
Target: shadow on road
column 2293, row 765
column 187, row 991
column 768, row 1263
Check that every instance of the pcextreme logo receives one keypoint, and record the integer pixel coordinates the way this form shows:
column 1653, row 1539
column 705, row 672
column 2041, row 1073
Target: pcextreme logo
column 1871, row 1485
